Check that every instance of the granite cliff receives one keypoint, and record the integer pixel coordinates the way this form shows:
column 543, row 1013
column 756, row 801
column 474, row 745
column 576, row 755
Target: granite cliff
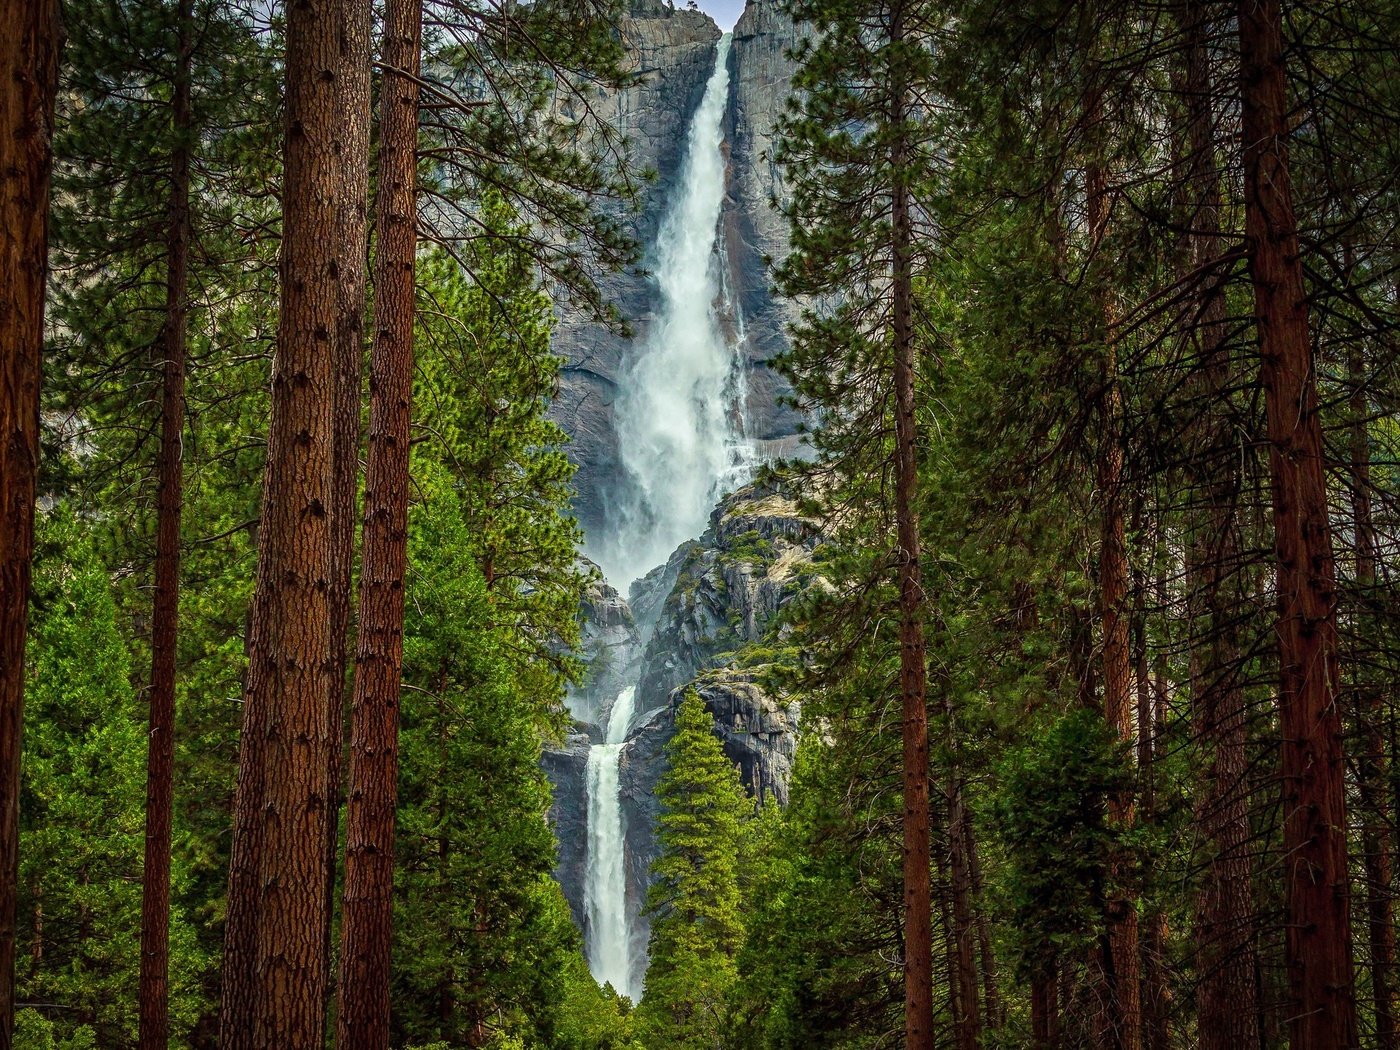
column 683, row 628
column 674, row 50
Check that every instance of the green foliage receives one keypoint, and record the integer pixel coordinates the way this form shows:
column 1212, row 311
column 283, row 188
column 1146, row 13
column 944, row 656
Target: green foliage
column 1052, row 817
column 82, row 797
column 485, row 949
column 697, row 923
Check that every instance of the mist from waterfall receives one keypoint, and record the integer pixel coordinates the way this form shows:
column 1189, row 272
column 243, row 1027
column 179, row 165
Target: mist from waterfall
column 678, row 413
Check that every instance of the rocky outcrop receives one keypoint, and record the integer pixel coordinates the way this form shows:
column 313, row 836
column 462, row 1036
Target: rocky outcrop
column 728, row 586
column 611, row 645
column 674, row 50
column 567, row 768
column 685, row 624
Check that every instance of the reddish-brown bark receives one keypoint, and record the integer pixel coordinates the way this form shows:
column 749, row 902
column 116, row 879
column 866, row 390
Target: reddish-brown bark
column 1226, row 1003
column 165, row 611
column 1122, row 971
column 1318, row 949
column 367, row 911
column 275, row 946
column 29, row 45
column 353, row 104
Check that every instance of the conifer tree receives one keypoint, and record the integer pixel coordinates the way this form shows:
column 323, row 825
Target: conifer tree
column 697, row 926
column 1314, row 839
column 857, row 162
column 275, row 959
column 29, row 43
column 367, row 915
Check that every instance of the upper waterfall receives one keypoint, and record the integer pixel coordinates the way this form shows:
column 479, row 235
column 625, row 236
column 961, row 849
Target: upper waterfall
column 677, row 417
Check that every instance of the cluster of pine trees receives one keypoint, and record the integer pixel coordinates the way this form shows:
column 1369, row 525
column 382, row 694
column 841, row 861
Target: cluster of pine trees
column 1099, row 331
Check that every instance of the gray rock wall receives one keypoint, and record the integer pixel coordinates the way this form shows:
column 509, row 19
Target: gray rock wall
column 675, row 50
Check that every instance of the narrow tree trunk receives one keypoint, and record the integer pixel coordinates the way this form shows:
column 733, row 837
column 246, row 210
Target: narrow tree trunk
column 165, row 611
column 918, row 932
column 1225, row 959
column 275, row 957
column 374, row 718
column 990, row 992
column 1318, row 946
column 963, row 932
column 353, row 103
column 1155, row 995
column 29, row 45
column 1372, row 766
column 1124, row 983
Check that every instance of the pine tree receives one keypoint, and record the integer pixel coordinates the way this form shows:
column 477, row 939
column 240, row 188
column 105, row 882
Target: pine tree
column 367, row 914
column 1319, row 928
column 275, row 959
column 81, row 890
column 29, row 43
column 853, row 150
column 697, row 925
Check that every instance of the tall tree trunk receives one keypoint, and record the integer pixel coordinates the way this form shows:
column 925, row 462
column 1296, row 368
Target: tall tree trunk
column 1225, row 959
column 1122, row 969
column 1323, row 1011
column 165, row 611
column 991, row 994
column 918, row 925
column 1372, row 766
column 275, row 951
column 353, row 103
column 918, row 946
column 29, row 45
column 374, row 718
column 963, row 932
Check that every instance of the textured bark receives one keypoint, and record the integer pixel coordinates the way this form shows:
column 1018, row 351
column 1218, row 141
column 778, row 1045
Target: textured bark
column 1372, row 766
column 918, row 927
column 1043, row 1011
column 1124, row 1015
column 165, row 610
column 275, row 960
column 1223, row 924
column 963, row 931
column 29, row 45
column 1323, row 1009
column 367, row 913
column 991, row 994
column 353, row 105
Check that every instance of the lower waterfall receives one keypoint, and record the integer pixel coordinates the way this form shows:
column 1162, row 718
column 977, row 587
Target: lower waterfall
column 609, row 940
column 680, row 421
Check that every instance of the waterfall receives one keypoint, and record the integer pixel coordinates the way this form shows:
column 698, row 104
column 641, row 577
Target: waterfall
column 605, row 890
column 680, row 420
column 678, row 413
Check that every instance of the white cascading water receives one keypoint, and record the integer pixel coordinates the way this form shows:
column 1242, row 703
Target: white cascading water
column 605, row 886
column 678, row 424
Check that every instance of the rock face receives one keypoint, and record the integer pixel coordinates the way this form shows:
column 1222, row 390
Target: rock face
column 718, row 594
column 683, row 623
column 675, row 51
column 754, row 229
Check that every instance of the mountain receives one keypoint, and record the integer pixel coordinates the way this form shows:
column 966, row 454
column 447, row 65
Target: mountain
column 674, row 50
